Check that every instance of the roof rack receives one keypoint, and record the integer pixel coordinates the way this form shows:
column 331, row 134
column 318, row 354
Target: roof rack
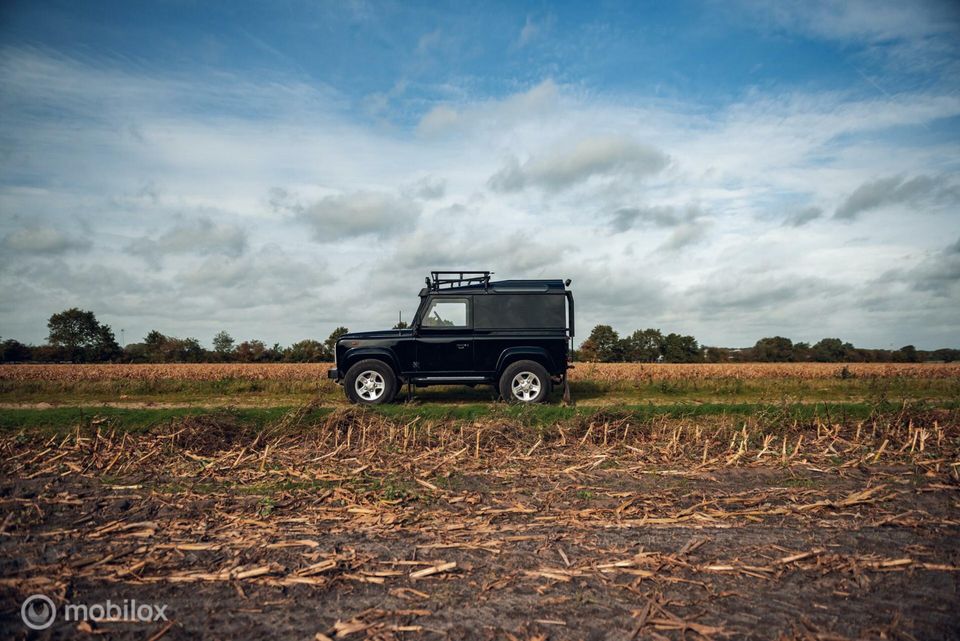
column 449, row 280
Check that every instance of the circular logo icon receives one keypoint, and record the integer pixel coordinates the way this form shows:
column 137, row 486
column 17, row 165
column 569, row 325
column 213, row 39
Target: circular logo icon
column 38, row 612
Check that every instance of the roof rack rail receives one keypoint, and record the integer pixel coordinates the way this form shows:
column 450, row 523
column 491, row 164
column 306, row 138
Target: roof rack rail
column 449, row 280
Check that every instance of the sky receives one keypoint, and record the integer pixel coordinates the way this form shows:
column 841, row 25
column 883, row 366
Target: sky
column 730, row 170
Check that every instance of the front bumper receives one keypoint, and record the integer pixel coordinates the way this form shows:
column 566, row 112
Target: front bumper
column 334, row 373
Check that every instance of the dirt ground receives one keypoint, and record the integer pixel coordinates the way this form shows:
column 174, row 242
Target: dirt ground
column 481, row 532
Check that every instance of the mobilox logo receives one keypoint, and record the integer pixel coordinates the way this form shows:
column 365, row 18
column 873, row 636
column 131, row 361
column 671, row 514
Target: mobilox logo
column 39, row 612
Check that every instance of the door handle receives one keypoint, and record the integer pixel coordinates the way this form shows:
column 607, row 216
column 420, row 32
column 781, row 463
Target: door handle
column 462, row 345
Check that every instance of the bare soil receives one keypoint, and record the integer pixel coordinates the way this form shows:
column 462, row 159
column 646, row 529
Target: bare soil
column 356, row 530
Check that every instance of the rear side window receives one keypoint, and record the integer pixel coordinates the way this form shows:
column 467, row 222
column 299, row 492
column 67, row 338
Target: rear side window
column 446, row 312
column 519, row 311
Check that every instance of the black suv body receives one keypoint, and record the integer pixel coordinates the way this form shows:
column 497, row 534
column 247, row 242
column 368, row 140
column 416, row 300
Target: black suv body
column 513, row 334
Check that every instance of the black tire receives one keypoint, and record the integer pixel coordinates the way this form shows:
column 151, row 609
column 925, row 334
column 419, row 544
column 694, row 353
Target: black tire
column 537, row 377
column 373, row 371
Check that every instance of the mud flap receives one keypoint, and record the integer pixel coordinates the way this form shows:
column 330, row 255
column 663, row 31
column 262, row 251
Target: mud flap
column 566, row 392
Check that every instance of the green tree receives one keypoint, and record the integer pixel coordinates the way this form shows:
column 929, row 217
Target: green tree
column 331, row 342
column 681, row 349
column 223, row 344
column 307, row 351
column 401, row 325
column 776, row 349
column 644, row 346
column 602, row 345
column 105, row 348
column 81, row 338
column 832, row 350
column 250, row 351
column 13, row 351
column 717, row 355
column 909, row 353
column 946, row 355
column 188, row 350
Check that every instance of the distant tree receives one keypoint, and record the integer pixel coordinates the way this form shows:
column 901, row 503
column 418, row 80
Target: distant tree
column 773, row 350
column 644, row 345
column 80, row 337
column 601, row 345
column 946, row 355
column 188, row 350
column 13, row 351
column 223, row 344
column 401, row 325
column 832, row 350
column 331, row 342
column 909, row 353
column 154, row 340
column 717, row 355
column 154, row 345
column 158, row 348
column 274, row 354
column 136, row 353
column 307, row 351
column 681, row 349
column 250, row 351
column 48, row 354
column 105, row 348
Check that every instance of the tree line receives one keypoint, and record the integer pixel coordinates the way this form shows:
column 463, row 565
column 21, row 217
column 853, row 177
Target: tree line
column 652, row 346
column 76, row 336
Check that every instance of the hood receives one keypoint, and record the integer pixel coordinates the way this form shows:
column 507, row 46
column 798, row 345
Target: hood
column 383, row 333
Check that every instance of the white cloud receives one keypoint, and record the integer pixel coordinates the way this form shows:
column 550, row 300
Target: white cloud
column 870, row 20
column 362, row 213
column 564, row 167
column 200, row 237
column 896, row 190
column 538, row 101
column 42, row 239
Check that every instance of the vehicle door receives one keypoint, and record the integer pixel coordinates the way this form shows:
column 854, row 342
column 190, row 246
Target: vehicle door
column 445, row 336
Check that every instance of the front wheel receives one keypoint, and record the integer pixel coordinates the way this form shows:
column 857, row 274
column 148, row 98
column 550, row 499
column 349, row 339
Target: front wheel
column 525, row 382
column 370, row 382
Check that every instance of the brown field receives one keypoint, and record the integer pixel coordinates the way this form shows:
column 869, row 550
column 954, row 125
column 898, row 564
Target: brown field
column 601, row 372
column 325, row 522
column 358, row 526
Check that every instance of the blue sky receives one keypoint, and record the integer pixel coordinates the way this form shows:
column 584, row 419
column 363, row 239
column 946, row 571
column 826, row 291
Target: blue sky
column 728, row 169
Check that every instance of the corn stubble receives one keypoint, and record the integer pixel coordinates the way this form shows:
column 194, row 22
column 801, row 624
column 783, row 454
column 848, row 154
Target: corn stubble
column 600, row 525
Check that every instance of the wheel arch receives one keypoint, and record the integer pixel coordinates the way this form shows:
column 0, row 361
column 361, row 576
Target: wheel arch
column 354, row 356
column 529, row 353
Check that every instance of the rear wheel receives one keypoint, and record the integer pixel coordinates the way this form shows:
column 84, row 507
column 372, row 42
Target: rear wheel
column 525, row 382
column 370, row 382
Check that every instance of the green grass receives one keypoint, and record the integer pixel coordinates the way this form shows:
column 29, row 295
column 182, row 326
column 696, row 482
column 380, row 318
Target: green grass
column 294, row 392
column 64, row 419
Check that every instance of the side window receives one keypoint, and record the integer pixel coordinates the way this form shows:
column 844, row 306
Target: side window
column 446, row 312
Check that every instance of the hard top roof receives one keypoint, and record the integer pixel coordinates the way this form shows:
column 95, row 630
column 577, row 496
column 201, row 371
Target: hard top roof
column 548, row 286
column 474, row 282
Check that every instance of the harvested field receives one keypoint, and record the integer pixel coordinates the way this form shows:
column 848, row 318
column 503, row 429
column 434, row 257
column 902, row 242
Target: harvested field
column 291, row 385
column 600, row 525
column 598, row 372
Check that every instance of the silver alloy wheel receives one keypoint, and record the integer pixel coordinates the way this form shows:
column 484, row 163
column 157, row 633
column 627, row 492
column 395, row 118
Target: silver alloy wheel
column 369, row 385
column 525, row 386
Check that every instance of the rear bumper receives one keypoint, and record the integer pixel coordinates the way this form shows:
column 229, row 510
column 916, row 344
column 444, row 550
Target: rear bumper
column 334, row 373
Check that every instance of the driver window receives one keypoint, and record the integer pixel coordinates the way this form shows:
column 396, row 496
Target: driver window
column 446, row 312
